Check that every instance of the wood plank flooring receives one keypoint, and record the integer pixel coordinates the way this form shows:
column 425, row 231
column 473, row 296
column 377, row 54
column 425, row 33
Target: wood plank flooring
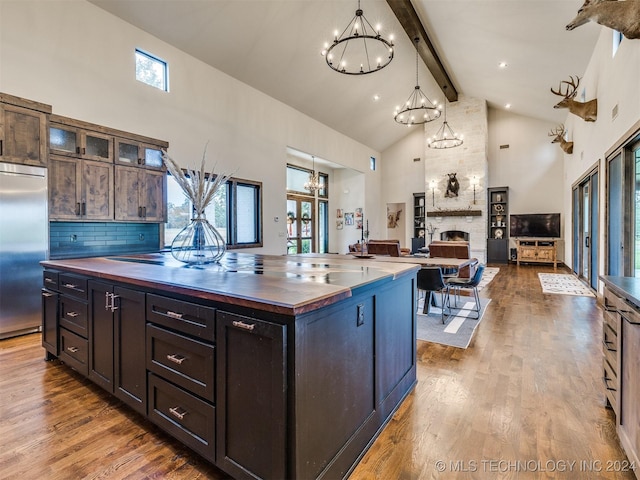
column 524, row 401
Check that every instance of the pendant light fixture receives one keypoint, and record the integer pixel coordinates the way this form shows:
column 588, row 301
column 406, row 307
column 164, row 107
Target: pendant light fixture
column 445, row 137
column 313, row 184
column 418, row 108
column 360, row 49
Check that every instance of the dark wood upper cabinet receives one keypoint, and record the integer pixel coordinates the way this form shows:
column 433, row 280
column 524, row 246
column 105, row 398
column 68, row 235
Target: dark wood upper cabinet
column 130, row 152
column 140, row 194
column 76, row 142
column 23, row 131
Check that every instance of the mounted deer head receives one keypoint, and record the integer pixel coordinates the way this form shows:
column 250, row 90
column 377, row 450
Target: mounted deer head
column 623, row 16
column 558, row 134
column 588, row 111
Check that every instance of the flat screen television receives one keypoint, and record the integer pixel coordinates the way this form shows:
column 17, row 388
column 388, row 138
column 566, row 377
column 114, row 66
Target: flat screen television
column 544, row 225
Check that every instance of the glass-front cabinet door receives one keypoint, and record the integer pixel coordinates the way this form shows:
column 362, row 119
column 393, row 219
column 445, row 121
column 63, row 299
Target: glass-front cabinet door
column 75, row 142
column 130, row 152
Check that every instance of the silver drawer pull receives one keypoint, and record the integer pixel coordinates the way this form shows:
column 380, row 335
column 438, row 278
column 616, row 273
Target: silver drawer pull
column 178, row 412
column 244, row 326
column 72, row 314
column 73, row 349
column 176, row 358
column 46, row 294
column 174, row 314
column 49, row 280
column 70, row 285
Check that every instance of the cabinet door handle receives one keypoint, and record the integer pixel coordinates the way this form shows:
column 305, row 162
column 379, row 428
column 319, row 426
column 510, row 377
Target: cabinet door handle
column 78, row 150
column 144, row 212
column 84, row 151
column 244, row 326
column 178, row 412
column 84, row 208
column 73, row 349
column 78, row 208
column 174, row 314
column 70, row 285
column 49, row 280
column 176, row 358
column 140, row 211
column 140, row 161
column 1, row 151
column 47, row 294
column 72, row 314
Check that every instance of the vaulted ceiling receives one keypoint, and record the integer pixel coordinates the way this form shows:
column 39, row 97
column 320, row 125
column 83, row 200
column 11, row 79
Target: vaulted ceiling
column 274, row 46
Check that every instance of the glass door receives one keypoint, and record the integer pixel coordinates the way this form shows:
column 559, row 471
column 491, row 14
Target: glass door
column 585, row 228
column 300, row 225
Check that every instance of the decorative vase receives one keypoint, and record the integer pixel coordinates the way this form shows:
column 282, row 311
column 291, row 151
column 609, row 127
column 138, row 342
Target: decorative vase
column 198, row 243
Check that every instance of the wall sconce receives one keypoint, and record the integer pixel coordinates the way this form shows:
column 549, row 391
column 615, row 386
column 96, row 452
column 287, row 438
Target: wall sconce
column 474, row 182
column 432, row 185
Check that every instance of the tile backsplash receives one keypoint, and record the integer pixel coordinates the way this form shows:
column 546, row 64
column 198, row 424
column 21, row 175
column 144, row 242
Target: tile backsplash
column 91, row 239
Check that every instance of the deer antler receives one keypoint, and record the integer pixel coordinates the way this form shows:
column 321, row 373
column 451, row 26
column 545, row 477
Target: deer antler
column 559, row 131
column 572, row 88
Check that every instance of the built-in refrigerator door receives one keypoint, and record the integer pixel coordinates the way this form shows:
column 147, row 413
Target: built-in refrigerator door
column 23, row 244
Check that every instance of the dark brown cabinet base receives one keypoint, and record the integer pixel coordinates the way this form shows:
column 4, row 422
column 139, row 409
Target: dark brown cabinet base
column 260, row 394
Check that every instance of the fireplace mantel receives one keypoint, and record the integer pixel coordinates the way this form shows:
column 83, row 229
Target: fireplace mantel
column 454, row 213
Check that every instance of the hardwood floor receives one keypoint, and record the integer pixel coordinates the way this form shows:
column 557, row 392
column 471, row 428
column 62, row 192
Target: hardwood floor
column 526, row 400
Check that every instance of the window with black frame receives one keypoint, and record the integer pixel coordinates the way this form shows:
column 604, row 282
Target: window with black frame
column 236, row 212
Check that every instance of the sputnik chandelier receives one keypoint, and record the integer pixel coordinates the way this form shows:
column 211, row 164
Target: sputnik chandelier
column 359, row 49
column 418, row 108
column 445, row 137
column 313, row 184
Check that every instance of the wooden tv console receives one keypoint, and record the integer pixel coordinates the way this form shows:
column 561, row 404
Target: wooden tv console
column 537, row 250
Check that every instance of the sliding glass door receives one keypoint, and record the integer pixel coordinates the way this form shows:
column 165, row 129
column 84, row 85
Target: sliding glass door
column 585, row 228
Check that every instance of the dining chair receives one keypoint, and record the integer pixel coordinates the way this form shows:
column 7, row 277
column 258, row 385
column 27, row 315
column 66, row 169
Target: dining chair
column 457, row 283
column 430, row 280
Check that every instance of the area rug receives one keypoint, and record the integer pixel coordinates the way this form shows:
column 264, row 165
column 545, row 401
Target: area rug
column 487, row 276
column 563, row 284
column 457, row 330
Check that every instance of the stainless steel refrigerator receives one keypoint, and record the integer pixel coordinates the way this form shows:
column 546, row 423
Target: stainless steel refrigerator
column 23, row 244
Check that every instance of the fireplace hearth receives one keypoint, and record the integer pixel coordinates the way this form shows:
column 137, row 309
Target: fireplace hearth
column 454, row 235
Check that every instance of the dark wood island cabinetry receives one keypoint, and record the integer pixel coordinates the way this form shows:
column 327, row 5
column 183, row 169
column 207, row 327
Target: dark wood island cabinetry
column 267, row 366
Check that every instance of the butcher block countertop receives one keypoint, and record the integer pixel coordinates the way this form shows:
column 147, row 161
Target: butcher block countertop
column 289, row 285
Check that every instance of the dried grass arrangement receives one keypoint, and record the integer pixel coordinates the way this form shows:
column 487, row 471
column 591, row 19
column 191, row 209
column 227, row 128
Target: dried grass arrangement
column 198, row 185
column 199, row 242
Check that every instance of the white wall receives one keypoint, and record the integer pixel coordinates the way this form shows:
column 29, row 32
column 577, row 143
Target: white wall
column 532, row 167
column 79, row 59
column 613, row 81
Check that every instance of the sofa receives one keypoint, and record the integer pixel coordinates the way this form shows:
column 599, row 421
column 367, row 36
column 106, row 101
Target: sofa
column 455, row 249
column 391, row 248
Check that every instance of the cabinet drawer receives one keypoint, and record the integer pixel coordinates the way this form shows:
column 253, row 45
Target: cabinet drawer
column 73, row 315
column 184, row 361
column 50, row 280
column 74, row 351
column 185, row 317
column 629, row 312
column 610, row 385
column 611, row 301
column 610, row 346
column 610, row 318
column 73, row 285
column 187, row 418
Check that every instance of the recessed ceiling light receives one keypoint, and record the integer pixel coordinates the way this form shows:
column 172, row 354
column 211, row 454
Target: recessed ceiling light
column 376, row 97
column 508, row 105
column 502, row 65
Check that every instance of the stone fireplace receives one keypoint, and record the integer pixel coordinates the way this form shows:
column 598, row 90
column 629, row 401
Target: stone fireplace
column 466, row 212
column 454, row 235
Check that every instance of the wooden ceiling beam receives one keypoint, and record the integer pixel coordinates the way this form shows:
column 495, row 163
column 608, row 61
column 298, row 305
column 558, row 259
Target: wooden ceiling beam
column 408, row 17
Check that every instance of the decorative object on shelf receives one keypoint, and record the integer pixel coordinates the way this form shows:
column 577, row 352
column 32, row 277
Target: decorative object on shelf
column 359, row 49
column 313, row 184
column 498, row 208
column 445, row 137
column 453, row 186
column 588, row 111
column 558, row 134
column 620, row 16
column 498, row 197
column 498, row 233
column 199, row 242
column 418, row 108
column 430, row 230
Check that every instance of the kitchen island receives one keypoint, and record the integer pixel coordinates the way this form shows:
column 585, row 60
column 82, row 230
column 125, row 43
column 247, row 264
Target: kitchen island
column 268, row 366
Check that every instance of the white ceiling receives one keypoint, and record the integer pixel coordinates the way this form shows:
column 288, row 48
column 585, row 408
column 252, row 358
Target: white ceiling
column 274, row 46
